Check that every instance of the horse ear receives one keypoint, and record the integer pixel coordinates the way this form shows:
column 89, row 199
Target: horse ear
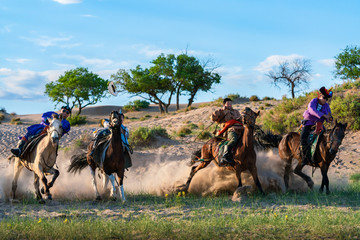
column 258, row 113
column 345, row 125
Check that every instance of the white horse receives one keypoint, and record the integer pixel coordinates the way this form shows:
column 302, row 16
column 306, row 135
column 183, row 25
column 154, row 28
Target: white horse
column 41, row 160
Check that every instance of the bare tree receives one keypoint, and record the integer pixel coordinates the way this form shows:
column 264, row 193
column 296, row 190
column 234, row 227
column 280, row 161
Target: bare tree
column 292, row 74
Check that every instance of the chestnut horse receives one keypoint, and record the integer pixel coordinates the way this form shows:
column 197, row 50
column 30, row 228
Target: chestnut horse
column 245, row 156
column 113, row 161
column 40, row 159
column 325, row 153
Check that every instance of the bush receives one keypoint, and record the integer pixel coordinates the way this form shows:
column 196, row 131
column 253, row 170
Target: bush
column 254, row 98
column 136, row 105
column 143, row 136
column 347, row 109
column 268, row 98
column 204, row 135
column 76, row 120
column 15, row 121
column 2, row 116
column 183, row 131
column 2, row 109
column 233, row 96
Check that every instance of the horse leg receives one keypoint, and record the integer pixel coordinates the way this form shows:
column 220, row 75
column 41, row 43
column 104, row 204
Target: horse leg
column 97, row 195
column 113, row 189
column 37, row 191
column 325, row 179
column 287, row 173
column 105, row 180
column 306, row 178
column 254, row 174
column 120, row 175
column 238, row 173
column 55, row 174
column 17, row 169
column 39, row 172
column 194, row 170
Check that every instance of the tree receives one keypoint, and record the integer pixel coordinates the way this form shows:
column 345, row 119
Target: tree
column 77, row 88
column 291, row 73
column 347, row 63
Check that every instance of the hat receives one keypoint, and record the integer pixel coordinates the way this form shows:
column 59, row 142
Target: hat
column 326, row 93
column 66, row 108
column 112, row 89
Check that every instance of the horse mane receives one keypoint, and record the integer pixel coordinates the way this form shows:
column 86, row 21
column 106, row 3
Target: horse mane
column 265, row 141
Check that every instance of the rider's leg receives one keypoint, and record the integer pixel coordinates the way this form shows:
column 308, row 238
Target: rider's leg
column 305, row 146
column 19, row 147
column 228, row 156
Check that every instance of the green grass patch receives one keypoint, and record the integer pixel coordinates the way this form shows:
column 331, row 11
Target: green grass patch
column 76, row 120
column 144, row 136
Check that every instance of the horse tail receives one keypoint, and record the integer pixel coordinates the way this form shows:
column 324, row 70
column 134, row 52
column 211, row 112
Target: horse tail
column 78, row 163
column 265, row 141
column 195, row 156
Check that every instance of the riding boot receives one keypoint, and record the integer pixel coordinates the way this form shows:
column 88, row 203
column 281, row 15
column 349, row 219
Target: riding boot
column 305, row 155
column 227, row 158
column 18, row 149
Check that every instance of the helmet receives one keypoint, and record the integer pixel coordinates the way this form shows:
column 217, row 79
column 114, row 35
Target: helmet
column 326, row 93
column 66, row 107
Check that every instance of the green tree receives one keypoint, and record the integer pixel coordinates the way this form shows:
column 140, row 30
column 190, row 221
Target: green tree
column 77, row 88
column 347, row 63
column 291, row 73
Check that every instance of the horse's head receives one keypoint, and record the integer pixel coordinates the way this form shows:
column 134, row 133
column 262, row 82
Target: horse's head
column 249, row 116
column 55, row 129
column 115, row 119
column 336, row 136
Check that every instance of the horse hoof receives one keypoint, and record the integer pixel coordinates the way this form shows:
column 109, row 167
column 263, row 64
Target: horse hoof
column 113, row 199
column 98, row 198
column 49, row 197
column 42, row 201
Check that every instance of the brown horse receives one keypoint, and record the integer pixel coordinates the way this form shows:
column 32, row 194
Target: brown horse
column 245, row 156
column 323, row 156
column 40, row 159
column 113, row 161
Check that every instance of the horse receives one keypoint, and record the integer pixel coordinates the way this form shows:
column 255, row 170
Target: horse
column 113, row 159
column 328, row 146
column 245, row 155
column 40, row 159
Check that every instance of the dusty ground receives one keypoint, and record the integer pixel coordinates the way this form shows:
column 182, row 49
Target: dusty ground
column 158, row 170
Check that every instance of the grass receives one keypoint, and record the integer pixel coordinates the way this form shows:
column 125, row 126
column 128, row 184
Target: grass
column 275, row 216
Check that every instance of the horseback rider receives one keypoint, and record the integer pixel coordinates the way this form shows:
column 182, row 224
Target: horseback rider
column 41, row 128
column 104, row 131
column 318, row 111
column 230, row 120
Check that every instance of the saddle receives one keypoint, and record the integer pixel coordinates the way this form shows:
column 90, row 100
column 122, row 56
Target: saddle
column 314, row 139
column 100, row 152
column 30, row 145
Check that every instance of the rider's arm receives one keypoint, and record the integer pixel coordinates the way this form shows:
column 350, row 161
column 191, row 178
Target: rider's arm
column 312, row 107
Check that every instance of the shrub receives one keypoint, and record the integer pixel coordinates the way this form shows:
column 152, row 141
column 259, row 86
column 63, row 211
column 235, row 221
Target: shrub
column 2, row 109
column 143, row 136
column 261, row 108
column 2, row 116
column 254, row 98
column 233, row 96
column 268, row 98
column 76, row 120
column 267, row 105
column 347, row 109
column 192, row 126
column 204, row 135
column 15, row 121
column 136, row 105
column 183, row 131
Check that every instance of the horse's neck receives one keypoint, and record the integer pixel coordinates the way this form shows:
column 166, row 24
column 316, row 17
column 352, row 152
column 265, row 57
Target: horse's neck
column 116, row 137
column 324, row 148
column 248, row 138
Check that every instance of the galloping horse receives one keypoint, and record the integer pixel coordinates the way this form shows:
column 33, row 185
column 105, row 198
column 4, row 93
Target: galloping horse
column 112, row 161
column 323, row 155
column 245, row 156
column 41, row 160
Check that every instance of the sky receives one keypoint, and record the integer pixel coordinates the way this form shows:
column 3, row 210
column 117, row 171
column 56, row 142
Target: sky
column 41, row 39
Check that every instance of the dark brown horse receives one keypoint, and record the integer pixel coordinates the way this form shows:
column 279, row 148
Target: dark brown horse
column 245, row 156
column 112, row 162
column 323, row 156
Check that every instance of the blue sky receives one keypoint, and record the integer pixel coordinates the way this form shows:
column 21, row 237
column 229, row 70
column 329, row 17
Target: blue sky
column 41, row 39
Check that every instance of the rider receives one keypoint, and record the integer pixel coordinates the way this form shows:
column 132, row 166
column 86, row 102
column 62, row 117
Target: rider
column 318, row 110
column 36, row 129
column 104, row 131
column 231, row 122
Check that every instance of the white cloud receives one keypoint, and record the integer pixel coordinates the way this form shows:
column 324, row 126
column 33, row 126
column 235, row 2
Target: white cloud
column 153, row 52
column 25, row 84
column 274, row 60
column 46, row 41
column 327, row 62
column 5, row 29
column 68, row 1
column 88, row 15
column 18, row 60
